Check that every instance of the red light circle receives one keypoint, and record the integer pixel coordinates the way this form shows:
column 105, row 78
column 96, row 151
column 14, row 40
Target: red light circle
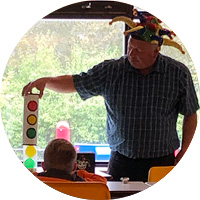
column 32, row 106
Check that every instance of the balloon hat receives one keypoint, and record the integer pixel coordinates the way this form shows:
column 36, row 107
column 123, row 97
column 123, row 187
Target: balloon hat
column 149, row 30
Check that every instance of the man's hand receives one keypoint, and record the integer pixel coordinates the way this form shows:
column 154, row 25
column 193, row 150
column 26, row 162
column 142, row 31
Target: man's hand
column 189, row 127
column 178, row 157
column 62, row 84
column 39, row 84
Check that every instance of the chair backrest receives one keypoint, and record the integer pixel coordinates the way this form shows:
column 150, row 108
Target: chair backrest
column 84, row 190
column 158, row 172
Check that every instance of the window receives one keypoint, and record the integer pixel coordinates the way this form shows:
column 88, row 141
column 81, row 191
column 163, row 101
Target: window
column 54, row 46
column 68, row 41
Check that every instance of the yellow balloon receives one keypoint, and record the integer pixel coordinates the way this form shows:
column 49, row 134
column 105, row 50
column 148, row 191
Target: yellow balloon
column 30, row 151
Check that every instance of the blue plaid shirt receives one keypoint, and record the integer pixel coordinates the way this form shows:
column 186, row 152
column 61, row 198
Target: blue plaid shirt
column 141, row 109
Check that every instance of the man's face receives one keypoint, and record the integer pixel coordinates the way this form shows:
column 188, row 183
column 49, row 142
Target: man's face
column 141, row 54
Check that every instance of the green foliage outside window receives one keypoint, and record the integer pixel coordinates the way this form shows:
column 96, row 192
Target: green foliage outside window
column 54, row 48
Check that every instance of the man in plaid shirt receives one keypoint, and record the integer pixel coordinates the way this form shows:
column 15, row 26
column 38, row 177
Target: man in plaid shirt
column 143, row 91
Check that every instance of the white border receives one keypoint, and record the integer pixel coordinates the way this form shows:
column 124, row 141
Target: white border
column 17, row 17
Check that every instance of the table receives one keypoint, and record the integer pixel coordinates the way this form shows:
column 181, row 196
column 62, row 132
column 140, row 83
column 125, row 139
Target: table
column 150, row 183
column 119, row 189
column 102, row 171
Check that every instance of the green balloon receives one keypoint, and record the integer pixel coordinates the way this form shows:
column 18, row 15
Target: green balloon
column 29, row 163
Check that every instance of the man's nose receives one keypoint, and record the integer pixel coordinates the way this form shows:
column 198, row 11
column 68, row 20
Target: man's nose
column 133, row 51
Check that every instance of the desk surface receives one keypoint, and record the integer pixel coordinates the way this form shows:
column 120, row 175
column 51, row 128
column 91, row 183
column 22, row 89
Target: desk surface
column 131, row 186
column 102, row 171
column 150, row 183
column 120, row 190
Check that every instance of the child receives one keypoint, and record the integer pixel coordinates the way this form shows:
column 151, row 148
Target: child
column 60, row 162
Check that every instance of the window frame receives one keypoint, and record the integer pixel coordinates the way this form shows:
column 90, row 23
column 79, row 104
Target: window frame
column 94, row 10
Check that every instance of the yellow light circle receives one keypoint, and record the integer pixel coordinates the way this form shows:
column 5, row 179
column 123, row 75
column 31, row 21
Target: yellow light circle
column 30, row 151
column 32, row 119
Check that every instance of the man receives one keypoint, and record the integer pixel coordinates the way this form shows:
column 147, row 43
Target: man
column 143, row 92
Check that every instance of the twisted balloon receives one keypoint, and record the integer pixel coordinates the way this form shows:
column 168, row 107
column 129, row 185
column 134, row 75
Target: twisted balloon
column 149, row 30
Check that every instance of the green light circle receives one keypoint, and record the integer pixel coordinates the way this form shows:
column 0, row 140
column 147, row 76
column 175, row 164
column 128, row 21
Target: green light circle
column 29, row 163
column 31, row 133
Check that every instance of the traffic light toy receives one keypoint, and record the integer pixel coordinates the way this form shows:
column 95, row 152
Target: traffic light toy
column 30, row 126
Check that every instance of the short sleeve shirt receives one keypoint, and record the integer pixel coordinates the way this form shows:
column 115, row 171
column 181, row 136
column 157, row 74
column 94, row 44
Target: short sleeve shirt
column 141, row 109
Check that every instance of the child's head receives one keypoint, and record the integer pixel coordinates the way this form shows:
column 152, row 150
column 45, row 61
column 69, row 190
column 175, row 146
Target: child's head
column 60, row 154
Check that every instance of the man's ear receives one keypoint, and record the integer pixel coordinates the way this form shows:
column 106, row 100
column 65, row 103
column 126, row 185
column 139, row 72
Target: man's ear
column 158, row 49
column 156, row 52
column 43, row 166
column 75, row 166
